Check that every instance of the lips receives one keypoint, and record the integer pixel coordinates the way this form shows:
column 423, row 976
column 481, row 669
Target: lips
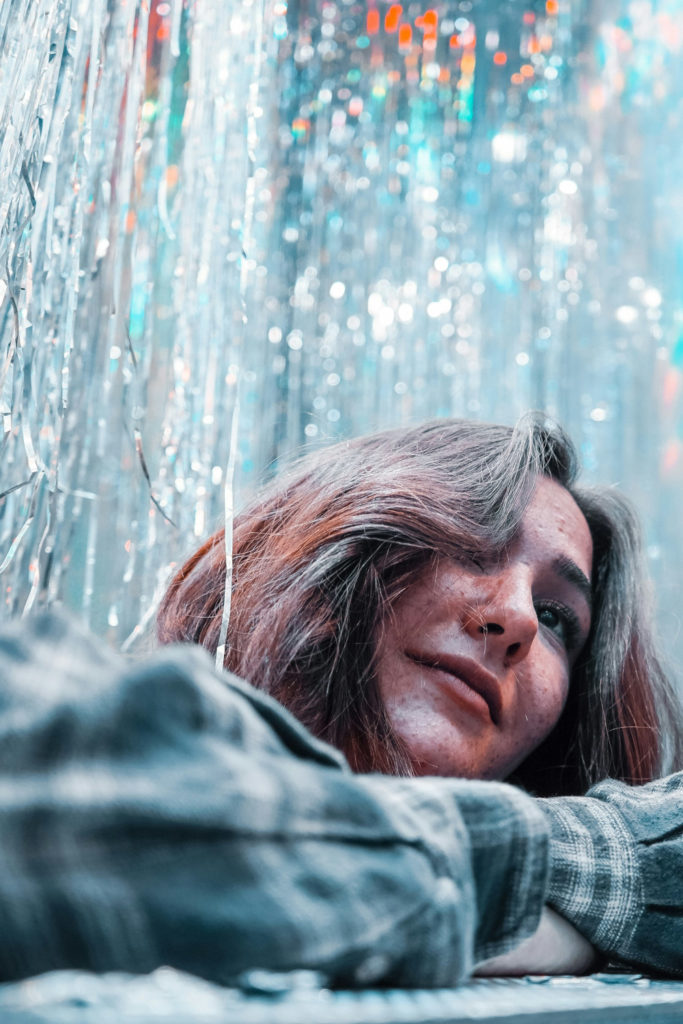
column 467, row 671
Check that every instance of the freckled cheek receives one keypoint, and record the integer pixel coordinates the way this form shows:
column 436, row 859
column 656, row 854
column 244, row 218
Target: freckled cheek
column 542, row 713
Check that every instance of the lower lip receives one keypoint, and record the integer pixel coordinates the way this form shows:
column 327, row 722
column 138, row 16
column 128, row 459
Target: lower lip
column 459, row 691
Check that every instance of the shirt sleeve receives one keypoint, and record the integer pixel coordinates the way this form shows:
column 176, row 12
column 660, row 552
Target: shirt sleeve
column 159, row 813
column 616, row 867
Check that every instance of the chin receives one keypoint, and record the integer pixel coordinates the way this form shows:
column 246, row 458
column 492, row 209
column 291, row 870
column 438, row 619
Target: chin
column 485, row 770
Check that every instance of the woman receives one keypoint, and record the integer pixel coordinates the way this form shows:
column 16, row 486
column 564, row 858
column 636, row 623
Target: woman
column 443, row 599
column 435, row 600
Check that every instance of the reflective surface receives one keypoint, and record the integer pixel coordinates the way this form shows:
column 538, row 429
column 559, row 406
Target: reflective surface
column 73, row 997
column 347, row 215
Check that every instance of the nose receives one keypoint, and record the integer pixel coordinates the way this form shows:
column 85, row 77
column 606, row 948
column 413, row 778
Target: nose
column 504, row 617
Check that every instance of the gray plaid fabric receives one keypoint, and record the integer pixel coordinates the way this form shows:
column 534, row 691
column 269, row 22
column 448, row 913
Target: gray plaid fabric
column 616, row 869
column 157, row 812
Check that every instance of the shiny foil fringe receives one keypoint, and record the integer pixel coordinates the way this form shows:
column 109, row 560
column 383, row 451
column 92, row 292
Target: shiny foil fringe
column 331, row 217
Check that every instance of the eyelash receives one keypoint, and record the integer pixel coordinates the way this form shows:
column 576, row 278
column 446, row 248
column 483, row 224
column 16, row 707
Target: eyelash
column 568, row 619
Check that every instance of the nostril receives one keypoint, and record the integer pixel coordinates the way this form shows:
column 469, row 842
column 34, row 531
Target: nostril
column 493, row 628
column 513, row 649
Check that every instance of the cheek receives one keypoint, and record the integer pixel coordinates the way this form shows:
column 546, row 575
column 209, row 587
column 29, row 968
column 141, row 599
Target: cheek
column 412, row 612
column 545, row 705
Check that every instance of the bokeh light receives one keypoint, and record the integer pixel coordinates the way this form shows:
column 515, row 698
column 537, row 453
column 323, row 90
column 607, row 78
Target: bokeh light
column 289, row 223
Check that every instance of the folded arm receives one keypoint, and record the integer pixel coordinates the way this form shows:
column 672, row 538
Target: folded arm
column 616, row 864
column 158, row 813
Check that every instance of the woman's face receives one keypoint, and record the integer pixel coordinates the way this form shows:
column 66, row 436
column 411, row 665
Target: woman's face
column 474, row 665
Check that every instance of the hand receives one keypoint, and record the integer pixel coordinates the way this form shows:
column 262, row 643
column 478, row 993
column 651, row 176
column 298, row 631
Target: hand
column 555, row 948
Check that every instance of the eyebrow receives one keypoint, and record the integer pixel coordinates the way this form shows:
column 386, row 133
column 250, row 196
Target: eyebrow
column 569, row 570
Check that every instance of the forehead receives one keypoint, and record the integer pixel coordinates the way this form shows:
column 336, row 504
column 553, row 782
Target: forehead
column 554, row 525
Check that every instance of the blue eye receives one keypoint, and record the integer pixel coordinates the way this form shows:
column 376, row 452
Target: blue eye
column 561, row 621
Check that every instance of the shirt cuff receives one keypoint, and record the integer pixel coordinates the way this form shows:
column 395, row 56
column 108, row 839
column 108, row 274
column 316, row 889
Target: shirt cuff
column 504, row 845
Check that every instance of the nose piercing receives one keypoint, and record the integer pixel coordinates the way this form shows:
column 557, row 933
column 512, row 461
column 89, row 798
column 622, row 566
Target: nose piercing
column 491, row 627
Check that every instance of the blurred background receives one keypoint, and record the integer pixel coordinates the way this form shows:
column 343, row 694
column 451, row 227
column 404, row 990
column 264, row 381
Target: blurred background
column 233, row 228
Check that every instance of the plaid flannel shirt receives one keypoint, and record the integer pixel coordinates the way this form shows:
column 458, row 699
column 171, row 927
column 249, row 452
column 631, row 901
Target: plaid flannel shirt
column 157, row 812
column 616, row 870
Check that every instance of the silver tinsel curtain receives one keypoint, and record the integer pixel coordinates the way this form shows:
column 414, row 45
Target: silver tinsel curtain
column 230, row 228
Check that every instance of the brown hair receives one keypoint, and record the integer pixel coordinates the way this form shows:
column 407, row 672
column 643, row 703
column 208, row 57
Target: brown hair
column 322, row 553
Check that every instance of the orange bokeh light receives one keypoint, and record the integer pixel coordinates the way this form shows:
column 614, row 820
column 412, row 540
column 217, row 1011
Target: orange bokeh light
column 467, row 64
column 405, row 36
column 392, row 17
column 172, row 175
